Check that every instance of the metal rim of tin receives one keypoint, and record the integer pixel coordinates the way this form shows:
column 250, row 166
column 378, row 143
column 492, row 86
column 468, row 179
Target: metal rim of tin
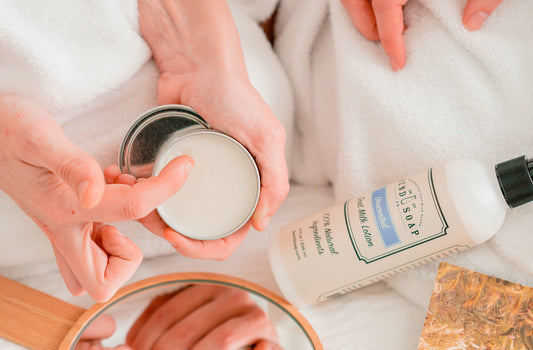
column 128, row 154
column 180, row 137
column 148, row 120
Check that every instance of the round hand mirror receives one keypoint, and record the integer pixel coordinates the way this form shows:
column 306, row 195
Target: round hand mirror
column 173, row 311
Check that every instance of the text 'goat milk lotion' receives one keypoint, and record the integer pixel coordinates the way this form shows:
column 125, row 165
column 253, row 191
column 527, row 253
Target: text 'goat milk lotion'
column 441, row 211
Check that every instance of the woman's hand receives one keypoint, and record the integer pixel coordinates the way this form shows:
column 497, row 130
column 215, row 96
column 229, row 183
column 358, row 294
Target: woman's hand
column 382, row 20
column 203, row 316
column 62, row 189
column 197, row 49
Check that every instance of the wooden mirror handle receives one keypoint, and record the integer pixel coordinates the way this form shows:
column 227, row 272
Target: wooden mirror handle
column 32, row 318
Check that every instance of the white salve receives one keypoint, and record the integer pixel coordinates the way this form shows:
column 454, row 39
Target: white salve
column 221, row 191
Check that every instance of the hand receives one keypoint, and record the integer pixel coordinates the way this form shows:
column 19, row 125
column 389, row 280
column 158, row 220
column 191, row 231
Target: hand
column 203, row 316
column 218, row 249
column 101, row 328
column 382, row 20
column 63, row 190
column 196, row 47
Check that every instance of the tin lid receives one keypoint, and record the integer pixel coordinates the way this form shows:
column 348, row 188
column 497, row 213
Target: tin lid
column 150, row 132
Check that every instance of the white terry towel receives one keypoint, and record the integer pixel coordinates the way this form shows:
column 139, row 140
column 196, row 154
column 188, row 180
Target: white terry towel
column 62, row 54
column 87, row 64
column 360, row 125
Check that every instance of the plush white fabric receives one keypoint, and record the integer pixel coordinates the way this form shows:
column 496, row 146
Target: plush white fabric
column 258, row 10
column 63, row 54
column 462, row 94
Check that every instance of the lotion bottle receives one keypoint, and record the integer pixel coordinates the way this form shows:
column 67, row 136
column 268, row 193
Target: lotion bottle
column 443, row 210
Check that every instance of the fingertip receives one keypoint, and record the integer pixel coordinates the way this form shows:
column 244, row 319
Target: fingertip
column 109, row 231
column 101, row 328
column 265, row 222
column 175, row 173
column 75, row 288
column 363, row 18
column 476, row 12
column 182, row 163
column 111, row 173
column 126, row 179
column 396, row 52
column 268, row 205
column 103, row 296
column 188, row 166
column 396, row 65
column 188, row 160
column 174, row 238
column 77, row 291
column 475, row 21
column 185, row 246
column 260, row 223
column 115, row 242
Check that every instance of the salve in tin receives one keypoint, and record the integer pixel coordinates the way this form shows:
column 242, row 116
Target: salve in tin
column 221, row 191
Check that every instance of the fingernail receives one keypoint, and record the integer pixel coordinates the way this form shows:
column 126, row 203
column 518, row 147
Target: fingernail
column 476, row 20
column 117, row 232
column 265, row 221
column 395, row 65
column 189, row 166
column 82, row 190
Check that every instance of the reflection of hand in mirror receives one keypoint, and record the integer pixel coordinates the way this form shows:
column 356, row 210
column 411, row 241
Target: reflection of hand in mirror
column 103, row 327
column 203, row 316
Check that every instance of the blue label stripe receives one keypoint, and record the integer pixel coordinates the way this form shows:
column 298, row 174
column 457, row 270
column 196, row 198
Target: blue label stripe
column 388, row 232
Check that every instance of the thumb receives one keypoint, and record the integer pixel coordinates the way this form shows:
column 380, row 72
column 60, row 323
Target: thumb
column 77, row 169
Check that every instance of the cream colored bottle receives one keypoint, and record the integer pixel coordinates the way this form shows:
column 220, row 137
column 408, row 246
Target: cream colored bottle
column 417, row 219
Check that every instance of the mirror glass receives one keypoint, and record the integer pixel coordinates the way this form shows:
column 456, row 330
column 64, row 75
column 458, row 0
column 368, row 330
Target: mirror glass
column 187, row 313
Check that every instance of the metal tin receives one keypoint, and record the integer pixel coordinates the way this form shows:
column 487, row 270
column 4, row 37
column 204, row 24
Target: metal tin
column 154, row 133
column 147, row 135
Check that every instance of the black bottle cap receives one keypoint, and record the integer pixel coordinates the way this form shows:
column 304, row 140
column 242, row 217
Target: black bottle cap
column 515, row 179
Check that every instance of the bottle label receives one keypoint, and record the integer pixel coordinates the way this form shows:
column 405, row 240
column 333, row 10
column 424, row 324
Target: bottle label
column 394, row 218
column 366, row 239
